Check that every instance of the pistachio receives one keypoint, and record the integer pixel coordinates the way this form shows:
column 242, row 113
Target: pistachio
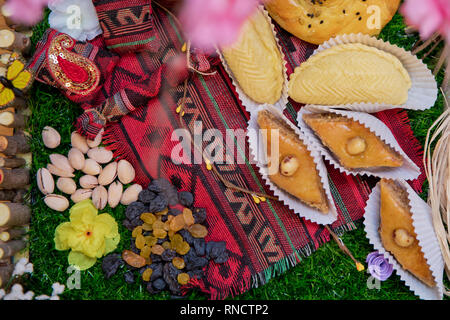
column 356, row 146
column 79, row 142
column 61, row 162
column 403, row 238
column 115, row 191
column 66, row 185
column 88, row 182
column 109, row 173
column 51, row 137
column 59, row 172
column 56, row 202
column 289, row 165
column 100, row 197
column 81, row 194
column 125, row 172
column 91, row 167
column 76, row 158
column 131, row 194
column 100, row 155
column 96, row 142
column 45, row 181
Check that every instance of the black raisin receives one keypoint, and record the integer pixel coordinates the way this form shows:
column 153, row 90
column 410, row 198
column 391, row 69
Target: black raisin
column 111, row 264
column 168, row 190
column 186, row 198
column 155, row 258
column 187, row 236
column 159, row 284
column 174, row 212
column 146, row 196
column 199, row 215
column 158, row 204
column 200, row 246
column 157, row 271
column 168, row 255
column 222, row 258
column 134, row 210
column 129, row 277
column 215, row 249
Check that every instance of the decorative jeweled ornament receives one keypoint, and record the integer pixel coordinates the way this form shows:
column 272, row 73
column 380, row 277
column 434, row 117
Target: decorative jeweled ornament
column 72, row 72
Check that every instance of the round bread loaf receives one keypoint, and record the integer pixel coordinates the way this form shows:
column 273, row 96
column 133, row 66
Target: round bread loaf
column 316, row 21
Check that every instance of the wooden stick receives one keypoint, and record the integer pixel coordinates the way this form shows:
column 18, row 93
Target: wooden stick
column 442, row 59
column 12, row 120
column 344, row 248
column 14, row 41
column 14, row 178
column 12, row 162
column 11, row 146
column 6, row 272
column 7, row 195
column 12, row 234
column 14, row 214
column 430, row 40
column 8, row 249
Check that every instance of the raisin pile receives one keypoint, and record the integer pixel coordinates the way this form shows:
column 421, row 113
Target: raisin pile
column 168, row 245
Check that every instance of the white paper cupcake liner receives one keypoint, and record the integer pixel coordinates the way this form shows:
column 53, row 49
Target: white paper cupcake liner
column 247, row 102
column 423, row 225
column 257, row 153
column 408, row 171
column 423, row 92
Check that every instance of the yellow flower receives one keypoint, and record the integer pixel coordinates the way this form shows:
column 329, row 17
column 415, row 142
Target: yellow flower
column 88, row 235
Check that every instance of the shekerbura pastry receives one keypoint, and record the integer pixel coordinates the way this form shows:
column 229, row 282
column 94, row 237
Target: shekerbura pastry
column 353, row 144
column 256, row 62
column 397, row 231
column 297, row 172
column 316, row 21
column 350, row 73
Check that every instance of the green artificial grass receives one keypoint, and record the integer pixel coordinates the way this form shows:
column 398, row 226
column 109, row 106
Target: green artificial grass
column 326, row 274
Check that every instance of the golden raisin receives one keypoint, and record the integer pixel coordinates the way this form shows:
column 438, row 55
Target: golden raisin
column 136, row 231
column 198, row 231
column 140, row 241
column 162, row 213
column 160, row 233
column 169, row 218
column 145, row 252
column 188, row 217
column 166, row 245
column 183, row 278
column 157, row 249
column 150, row 240
column 133, row 259
column 147, row 274
column 177, row 223
column 183, row 248
column 178, row 263
column 147, row 227
column 148, row 217
column 158, row 225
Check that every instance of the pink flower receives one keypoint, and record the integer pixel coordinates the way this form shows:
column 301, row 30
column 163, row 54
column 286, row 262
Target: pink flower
column 215, row 22
column 27, row 12
column 428, row 16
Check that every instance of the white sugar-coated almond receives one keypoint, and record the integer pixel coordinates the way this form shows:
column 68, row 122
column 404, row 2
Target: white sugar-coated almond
column 96, row 142
column 100, row 197
column 81, row 194
column 76, row 158
column 91, row 167
column 125, row 172
column 51, row 137
column 115, row 191
column 88, row 182
column 108, row 175
column 79, row 142
column 131, row 194
column 66, row 185
column 100, row 155
column 45, row 181
column 56, row 202
column 61, row 162
column 59, row 172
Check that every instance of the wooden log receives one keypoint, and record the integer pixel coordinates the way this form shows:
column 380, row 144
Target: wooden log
column 11, row 234
column 14, row 41
column 12, row 162
column 20, row 196
column 11, row 146
column 10, row 248
column 14, row 178
column 6, row 271
column 14, row 214
column 12, row 120
column 7, row 195
column 19, row 103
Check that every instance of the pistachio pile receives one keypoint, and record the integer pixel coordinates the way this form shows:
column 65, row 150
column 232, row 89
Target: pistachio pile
column 99, row 170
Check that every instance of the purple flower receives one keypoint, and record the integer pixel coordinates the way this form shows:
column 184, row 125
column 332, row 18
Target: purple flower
column 378, row 266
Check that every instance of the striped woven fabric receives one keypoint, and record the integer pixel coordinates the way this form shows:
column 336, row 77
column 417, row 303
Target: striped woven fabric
column 263, row 239
column 127, row 25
